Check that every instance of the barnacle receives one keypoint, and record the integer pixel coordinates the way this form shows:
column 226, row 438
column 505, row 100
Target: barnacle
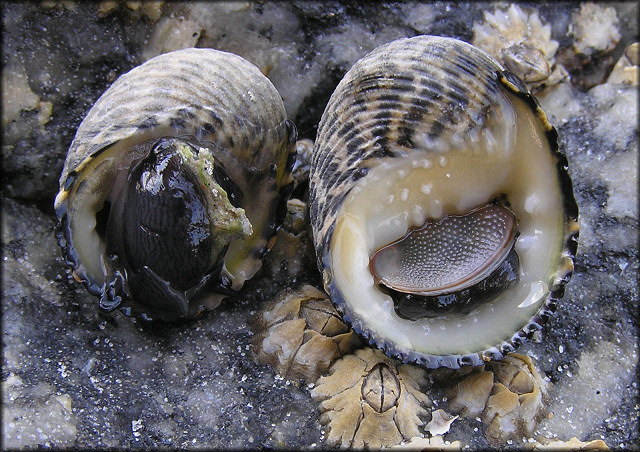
column 370, row 400
column 522, row 42
column 301, row 334
column 507, row 395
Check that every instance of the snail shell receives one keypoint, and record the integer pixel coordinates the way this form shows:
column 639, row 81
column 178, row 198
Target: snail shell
column 175, row 183
column 443, row 216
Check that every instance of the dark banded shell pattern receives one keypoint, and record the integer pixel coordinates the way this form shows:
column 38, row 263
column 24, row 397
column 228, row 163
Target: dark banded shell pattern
column 211, row 95
column 383, row 112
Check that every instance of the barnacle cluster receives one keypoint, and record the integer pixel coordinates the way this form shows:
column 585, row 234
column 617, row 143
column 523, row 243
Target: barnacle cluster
column 508, row 395
column 594, row 29
column 522, row 42
column 301, row 335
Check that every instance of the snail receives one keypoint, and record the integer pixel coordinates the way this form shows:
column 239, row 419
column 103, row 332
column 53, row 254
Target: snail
column 175, row 184
column 442, row 211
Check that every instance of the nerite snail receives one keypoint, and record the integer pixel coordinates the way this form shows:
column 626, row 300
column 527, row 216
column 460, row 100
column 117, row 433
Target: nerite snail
column 175, row 183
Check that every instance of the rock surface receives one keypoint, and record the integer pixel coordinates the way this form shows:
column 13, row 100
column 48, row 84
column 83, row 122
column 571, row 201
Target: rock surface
column 73, row 377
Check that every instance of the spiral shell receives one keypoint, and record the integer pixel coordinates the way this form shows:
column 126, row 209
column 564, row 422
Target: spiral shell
column 226, row 123
column 428, row 148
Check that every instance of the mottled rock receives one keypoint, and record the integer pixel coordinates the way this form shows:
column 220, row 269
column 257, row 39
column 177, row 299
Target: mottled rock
column 37, row 417
column 573, row 444
column 428, row 444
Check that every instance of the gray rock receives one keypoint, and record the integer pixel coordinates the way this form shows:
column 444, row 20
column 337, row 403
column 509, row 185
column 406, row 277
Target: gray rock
column 74, row 377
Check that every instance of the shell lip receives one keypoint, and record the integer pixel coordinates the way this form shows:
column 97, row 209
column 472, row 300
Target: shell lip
column 69, row 254
column 453, row 361
column 516, row 86
column 63, row 236
column 128, row 305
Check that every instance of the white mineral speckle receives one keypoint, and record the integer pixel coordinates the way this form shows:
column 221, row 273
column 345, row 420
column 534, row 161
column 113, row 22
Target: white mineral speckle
column 420, row 17
column 616, row 104
column 38, row 417
column 595, row 391
column 530, row 203
column 620, row 172
column 595, row 29
column 560, row 103
column 17, row 95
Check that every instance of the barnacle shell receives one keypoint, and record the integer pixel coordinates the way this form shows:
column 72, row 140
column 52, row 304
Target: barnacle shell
column 300, row 171
column 626, row 69
column 428, row 444
column 522, row 42
column 225, row 122
column 420, row 130
column 301, row 335
column 440, row 422
column 292, row 253
column 594, row 29
column 507, row 395
column 370, row 400
column 573, row 444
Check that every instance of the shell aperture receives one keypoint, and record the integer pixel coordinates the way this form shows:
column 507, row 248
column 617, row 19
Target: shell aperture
column 423, row 131
column 193, row 145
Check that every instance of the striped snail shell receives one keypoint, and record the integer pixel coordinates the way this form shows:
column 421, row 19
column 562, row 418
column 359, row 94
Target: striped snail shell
column 175, row 184
column 443, row 215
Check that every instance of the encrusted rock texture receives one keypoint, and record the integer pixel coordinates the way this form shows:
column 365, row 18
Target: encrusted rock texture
column 73, row 377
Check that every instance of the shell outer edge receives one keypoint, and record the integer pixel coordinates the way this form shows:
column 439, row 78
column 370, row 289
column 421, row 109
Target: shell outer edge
column 571, row 215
